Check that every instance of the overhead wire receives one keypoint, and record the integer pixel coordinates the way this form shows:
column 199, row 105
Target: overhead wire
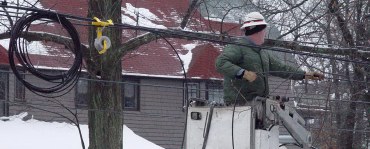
column 21, row 103
column 181, row 88
column 159, row 115
column 186, row 89
column 189, row 35
column 296, row 98
column 24, row 59
column 15, row 15
column 185, row 34
column 79, row 18
column 71, row 16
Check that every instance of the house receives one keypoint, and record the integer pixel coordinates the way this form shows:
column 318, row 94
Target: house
column 152, row 76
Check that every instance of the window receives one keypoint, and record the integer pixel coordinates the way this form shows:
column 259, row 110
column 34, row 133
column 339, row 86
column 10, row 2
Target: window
column 193, row 90
column 81, row 93
column 215, row 92
column 3, row 93
column 130, row 97
column 312, row 121
column 19, row 90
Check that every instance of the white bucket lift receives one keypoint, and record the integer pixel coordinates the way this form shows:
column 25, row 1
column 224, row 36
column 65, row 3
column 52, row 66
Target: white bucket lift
column 226, row 127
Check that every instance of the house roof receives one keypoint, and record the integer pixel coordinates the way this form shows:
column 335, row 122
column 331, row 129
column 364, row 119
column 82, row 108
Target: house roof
column 156, row 58
column 203, row 62
column 3, row 56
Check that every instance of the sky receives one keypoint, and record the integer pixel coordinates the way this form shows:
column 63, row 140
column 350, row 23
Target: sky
column 34, row 134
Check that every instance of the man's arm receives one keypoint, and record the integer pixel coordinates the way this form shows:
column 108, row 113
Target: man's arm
column 277, row 68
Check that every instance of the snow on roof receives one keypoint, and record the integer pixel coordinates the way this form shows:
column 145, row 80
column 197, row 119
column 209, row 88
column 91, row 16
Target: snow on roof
column 39, row 134
column 4, row 43
column 35, row 47
column 145, row 17
column 186, row 58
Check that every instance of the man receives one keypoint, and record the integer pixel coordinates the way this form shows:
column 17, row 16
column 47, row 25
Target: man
column 246, row 69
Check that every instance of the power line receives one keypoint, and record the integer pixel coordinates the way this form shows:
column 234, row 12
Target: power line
column 188, row 34
column 143, row 16
column 218, row 41
column 79, row 18
column 296, row 98
column 182, row 33
column 28, row 104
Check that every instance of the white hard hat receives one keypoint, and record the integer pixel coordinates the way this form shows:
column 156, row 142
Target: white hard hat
column 253, row 19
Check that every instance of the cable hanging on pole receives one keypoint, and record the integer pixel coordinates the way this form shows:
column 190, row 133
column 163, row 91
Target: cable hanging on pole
column 61, row 83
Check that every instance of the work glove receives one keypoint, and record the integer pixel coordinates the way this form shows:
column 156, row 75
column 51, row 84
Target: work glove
column 314, row 76
column 249, row 75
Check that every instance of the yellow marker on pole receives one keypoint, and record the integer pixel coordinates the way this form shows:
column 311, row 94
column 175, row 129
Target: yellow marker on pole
column 102, row 48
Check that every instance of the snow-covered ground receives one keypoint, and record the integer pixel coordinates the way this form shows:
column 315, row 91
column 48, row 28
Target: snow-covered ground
column 34, row 134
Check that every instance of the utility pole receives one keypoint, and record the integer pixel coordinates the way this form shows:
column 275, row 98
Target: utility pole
column 105, row 123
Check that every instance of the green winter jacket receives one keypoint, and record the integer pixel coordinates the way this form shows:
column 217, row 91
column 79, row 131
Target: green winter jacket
column 236, row 58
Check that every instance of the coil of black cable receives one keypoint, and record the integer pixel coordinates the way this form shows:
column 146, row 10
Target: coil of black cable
column 60, row 83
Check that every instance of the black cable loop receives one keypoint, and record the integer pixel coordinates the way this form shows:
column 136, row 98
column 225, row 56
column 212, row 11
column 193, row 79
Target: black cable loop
column 18, row 48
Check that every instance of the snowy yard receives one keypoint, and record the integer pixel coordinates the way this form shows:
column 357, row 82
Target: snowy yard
column 34, row 134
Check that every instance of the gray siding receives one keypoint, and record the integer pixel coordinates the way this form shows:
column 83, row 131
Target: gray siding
column 42, row 108
column 159, row 120
column 161, row 117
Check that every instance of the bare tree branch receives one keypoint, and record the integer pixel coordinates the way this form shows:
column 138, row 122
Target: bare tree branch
column 43, row 36
column 291, row 8
column 9, row 17
column 334, row 8
column 300, row 25
column 193, row 6
column 180, row 34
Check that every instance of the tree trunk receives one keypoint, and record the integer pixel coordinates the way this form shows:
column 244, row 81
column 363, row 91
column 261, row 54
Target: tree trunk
column 348, row 120
column 346, row 137
column 105, row 104
column 367, row 68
